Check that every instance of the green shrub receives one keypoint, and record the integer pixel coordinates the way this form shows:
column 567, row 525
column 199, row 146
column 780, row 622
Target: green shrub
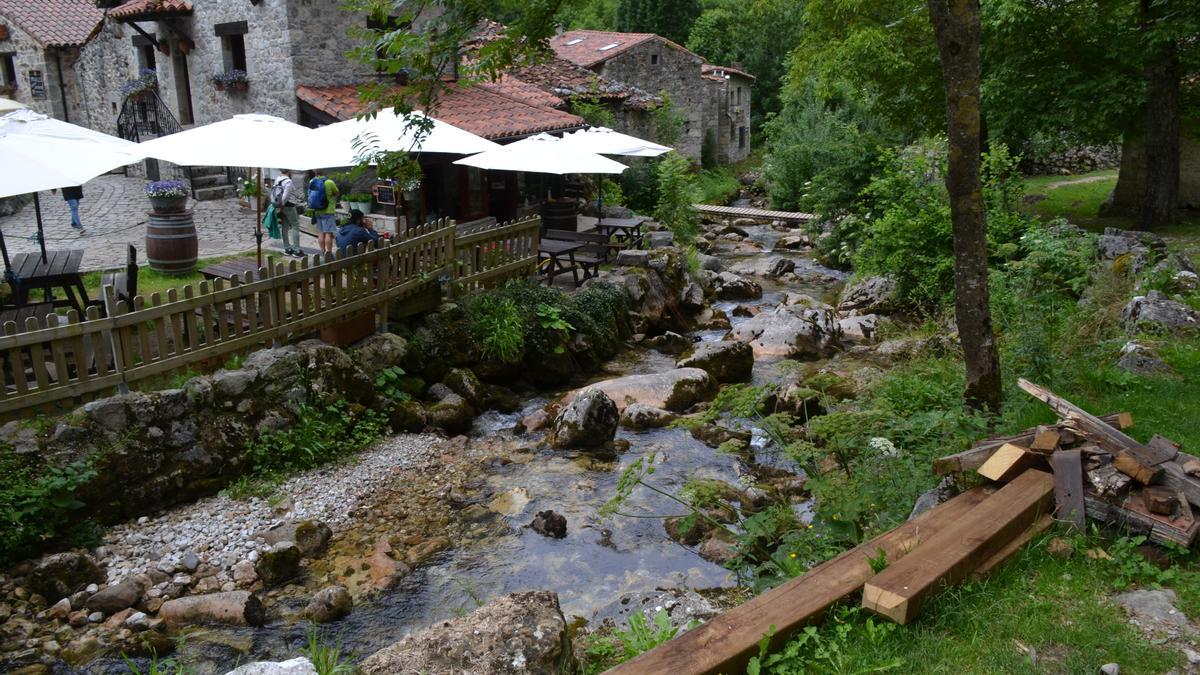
column 676, row 198
column 497, row 325
column 717, row 186
column 639, row 184
column 38, row 505
column 320, row 434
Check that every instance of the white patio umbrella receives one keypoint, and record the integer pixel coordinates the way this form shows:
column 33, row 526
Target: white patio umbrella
column 8, row 105
column 353, row 139
column 542, row 154
column 605, row 141
column 42, row 153
column 252, row 140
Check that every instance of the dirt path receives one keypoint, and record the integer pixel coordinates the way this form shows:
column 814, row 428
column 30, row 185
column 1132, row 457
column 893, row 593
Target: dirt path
column 1076, row 181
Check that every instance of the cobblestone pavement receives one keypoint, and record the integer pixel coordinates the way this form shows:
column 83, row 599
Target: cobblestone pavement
column 113, row 211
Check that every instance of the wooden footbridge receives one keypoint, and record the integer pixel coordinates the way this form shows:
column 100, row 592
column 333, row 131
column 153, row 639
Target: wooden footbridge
column 754, row 214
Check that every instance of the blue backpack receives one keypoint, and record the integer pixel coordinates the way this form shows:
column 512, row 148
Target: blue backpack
column 316, row 194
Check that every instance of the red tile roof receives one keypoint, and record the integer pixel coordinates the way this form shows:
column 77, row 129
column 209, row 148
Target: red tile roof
column 555, row 81
column 510, row 86
column 151, row 8
column 710, row 69
column 485, row 113
column 590, row 47
column 54, row 23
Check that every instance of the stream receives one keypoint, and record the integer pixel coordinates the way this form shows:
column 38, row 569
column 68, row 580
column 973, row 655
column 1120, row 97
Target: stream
column 497, row 553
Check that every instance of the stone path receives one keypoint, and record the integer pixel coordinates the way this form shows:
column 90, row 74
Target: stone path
column 113, row 211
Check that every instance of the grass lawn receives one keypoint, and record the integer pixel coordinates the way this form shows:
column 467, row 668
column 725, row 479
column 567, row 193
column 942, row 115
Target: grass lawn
column 150, row 281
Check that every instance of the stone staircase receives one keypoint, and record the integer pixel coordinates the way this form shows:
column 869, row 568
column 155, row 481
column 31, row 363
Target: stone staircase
column 211, row 182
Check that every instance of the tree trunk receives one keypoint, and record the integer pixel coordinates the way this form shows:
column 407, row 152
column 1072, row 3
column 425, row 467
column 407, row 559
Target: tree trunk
column 956, row 26
column 1161, row 197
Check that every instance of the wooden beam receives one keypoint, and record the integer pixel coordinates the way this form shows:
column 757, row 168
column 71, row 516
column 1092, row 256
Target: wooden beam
column 946, row 558
column 1131, row 466
column 973, row 458
column 726, row 643
column 1003, row 555
column 1046, row 440
column 1008, row 462
column 1068, row 488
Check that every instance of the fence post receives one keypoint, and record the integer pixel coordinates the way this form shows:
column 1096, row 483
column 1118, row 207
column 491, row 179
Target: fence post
column 452, row 255
column 118, row 352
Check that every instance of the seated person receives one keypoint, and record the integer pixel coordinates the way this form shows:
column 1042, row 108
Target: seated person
column 355, row 231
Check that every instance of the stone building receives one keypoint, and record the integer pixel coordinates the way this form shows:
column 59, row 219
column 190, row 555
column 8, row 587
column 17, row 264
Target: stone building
column 40, row 44
column 715, row 100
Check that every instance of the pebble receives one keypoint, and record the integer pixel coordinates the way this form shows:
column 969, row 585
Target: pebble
column 92, row 589
column 95, row 617
column 1110, row 669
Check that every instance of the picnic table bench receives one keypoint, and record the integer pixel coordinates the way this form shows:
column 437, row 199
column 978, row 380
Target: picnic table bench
column 560, row 258
column 60, row 269
column 595, row 249
column 627, row 231
column 20, row 315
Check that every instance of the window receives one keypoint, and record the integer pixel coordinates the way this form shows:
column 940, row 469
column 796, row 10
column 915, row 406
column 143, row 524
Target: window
column 742, row 137
column 146, row 57
column 739, row 95
column 607, row 47
column 575, row 41
column 8, row 71
column 233, row 44
column 654, row 59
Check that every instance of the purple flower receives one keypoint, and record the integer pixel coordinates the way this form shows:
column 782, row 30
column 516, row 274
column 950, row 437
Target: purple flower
column 167, row 188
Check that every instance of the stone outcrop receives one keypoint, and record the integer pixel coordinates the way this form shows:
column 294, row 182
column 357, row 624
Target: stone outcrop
column 589, row 420
column 727, row 362
column 310, row 536
column 790, row 331
column 868, row 295
column 729, row 286
column 238, row 608
column 1141, row 360
column 1156, row 312
column 674, row 390
column 515, row 634
column 859, row 330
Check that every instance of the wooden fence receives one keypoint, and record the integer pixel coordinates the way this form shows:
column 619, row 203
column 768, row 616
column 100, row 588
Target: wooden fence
column 69, row 359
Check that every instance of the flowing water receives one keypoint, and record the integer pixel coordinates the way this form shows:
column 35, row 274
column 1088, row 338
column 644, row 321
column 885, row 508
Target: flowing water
column 597, row 562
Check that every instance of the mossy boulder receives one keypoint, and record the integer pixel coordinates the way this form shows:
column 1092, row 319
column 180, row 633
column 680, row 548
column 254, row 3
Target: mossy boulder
column 452, row 414
column 59, row 575
column 407, row 416
column 279, row 564
column 379, row 352
column 589, row 421
column 464, row 383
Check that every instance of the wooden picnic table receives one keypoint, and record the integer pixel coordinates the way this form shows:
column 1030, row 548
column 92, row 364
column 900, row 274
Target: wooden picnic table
column 59, row 270
column 624, row 230
column 234, row 267
column 554, row 251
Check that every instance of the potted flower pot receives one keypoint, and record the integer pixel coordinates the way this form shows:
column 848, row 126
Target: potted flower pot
column 239, row 85
column 169, row 204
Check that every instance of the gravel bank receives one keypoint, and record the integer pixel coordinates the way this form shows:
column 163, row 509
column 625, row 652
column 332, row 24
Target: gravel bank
column 220, row 531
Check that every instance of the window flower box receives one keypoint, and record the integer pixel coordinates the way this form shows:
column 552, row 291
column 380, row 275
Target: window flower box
column 231, row 80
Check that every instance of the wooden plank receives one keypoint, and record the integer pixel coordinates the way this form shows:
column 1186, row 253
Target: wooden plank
column 1131, row 466
column 1046, row 440
column 946, row 558
column 1003, row 555
column 1068, row 488
column 974, row 457
column 726, row 642
column 1157, row 530
column 1160, row 500
column 1008, row 462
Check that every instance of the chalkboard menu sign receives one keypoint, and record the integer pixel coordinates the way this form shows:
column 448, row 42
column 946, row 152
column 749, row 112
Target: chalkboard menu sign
column 37, row 85
column 385, row 194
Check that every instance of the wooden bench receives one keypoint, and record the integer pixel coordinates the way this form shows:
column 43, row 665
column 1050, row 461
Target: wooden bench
column 21, row 314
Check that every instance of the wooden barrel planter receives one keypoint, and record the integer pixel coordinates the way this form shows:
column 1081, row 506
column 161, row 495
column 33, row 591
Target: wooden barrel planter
column 560, row 215
column 171, row 244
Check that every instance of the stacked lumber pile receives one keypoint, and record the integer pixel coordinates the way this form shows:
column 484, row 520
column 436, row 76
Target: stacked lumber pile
column 1099, row 471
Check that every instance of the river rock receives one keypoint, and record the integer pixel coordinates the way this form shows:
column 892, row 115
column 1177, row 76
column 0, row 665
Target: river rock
column 692, row 296
column 729, row 286
column 868, row 295
column 711, row 263
column 1141, row 360
column 641, row 416
column 789, row 331
column 115, row 598
column 588, row 421
column 464, row 383
column 515, row 634
column 1155, row 311
column 661, row 239
column 296, row 666
column 310, row 536
column 673, row 390
column 550, row 524
column 378, row 353
column 279, row 564
column 330, row 604
column 452, row 414
column 799, row 401
column 669, row 343
column 406, row 416
column 59, row 575
column 727, row 362
column 715, row 435
column 632, row 258
column 860, row 329
column 238, row 608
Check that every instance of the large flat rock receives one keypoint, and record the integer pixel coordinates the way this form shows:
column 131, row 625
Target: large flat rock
column 674, row 390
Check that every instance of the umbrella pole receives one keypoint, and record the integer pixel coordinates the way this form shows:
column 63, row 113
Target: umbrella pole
column 258, row 226
column 600, row 192
column 41, row 237
column 8, row 273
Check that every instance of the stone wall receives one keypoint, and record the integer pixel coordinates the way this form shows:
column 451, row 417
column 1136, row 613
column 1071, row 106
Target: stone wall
column 1124, row 198
column 320, row 38
column 105, row 63
column 1073, row 161
column 27, row 55
column 677, row 72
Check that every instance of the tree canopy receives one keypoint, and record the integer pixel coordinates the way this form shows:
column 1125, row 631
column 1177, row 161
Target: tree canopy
column 671, row 19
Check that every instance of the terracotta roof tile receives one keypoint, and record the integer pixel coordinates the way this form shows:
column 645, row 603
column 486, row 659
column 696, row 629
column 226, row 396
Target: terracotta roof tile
column 590, row 47
column 148, row 8
column 523, row 91
column 710, row 69
column 485, row 113
column 54, row 23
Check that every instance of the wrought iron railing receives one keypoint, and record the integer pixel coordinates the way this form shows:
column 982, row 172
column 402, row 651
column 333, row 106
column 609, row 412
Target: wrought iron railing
column 143, row 116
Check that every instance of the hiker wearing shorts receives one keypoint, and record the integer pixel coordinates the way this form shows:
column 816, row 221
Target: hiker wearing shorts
column 322, row 199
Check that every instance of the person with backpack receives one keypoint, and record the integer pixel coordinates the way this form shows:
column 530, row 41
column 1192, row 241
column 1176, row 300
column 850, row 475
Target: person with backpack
column 322, row 199
column 285, row 209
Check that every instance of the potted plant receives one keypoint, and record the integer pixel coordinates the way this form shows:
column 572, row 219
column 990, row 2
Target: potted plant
column 167, row 196
column 247, row 190
column 233, row 80
column 146, row 80
column 360, row 201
